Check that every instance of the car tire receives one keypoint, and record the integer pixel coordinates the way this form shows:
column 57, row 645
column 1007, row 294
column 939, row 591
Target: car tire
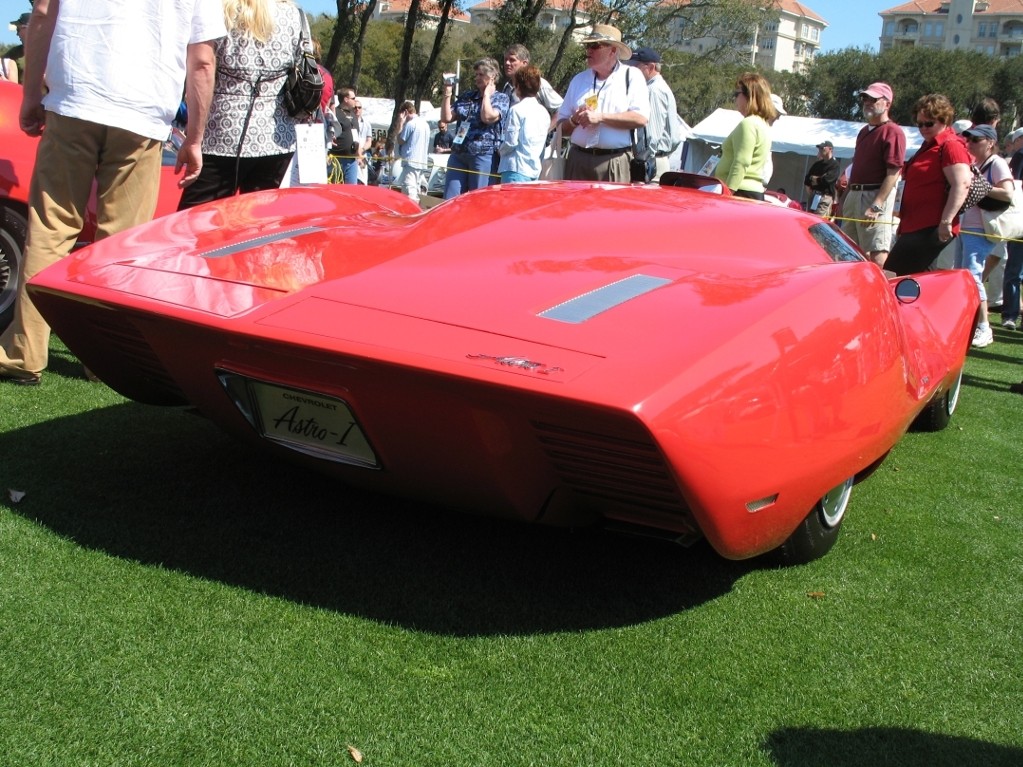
column 938, row 412
column 818, row 532
column 13, row 228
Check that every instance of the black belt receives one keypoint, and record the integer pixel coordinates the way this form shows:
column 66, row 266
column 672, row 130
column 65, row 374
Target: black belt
column 864, row 187
column 662, row 154
column 598, row 150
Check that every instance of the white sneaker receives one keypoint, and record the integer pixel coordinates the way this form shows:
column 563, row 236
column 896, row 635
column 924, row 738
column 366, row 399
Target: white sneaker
column 1010, row 324
column 983, row 337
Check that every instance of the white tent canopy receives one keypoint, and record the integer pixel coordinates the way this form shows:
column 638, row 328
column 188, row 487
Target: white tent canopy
column 380, row 111
column 794, row 143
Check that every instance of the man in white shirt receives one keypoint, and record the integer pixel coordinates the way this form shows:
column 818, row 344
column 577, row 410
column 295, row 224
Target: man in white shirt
column 604, row 103
column 413, row 149
column 103, row 126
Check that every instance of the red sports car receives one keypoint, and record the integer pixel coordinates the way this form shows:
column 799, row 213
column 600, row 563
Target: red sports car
column 654, row 357
column 17, row 159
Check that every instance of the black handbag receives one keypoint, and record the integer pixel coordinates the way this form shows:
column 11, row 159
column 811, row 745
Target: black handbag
column 979, row 185
column 640, row 160
column 990, row 203
column 303, row 86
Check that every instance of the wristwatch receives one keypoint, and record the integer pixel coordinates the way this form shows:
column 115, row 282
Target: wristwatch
column 876, row 208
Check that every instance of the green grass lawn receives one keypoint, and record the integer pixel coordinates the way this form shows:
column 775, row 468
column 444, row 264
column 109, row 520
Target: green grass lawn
column 169, row 597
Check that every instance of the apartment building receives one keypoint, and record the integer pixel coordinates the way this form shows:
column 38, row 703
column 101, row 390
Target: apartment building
column 994, row 27
column 555, row 17
column 788, row 42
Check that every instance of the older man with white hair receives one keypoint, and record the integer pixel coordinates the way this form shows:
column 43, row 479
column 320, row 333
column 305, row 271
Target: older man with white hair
column 664, row 130
column 603, row 105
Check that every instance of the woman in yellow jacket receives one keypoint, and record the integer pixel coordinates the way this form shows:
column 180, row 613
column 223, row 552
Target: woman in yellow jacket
column 748, row 148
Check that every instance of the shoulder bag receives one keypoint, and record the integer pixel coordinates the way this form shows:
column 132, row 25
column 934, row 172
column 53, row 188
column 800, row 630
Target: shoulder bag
column 979, row 185
column 303, row 86
column 552, row 167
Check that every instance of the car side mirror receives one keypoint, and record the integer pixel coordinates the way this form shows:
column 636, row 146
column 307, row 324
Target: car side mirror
column 907, row 290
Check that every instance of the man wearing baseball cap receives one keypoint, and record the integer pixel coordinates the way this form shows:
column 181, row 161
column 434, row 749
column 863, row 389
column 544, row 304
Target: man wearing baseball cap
column 664, row 130
column 877, row 163
column 820, row 180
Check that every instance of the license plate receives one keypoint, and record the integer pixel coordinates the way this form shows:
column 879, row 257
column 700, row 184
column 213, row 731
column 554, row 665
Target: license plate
column 311, row 423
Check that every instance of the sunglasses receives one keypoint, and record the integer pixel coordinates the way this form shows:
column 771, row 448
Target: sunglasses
column 928, row 124
column 868, row 99
column 595, row 46
column 736, row 94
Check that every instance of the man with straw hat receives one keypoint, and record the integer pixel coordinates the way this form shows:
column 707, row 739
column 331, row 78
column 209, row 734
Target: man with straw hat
column 602, row 106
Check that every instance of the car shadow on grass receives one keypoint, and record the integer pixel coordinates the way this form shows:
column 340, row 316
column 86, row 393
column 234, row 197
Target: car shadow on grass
column 164, row 487
column 884, row 747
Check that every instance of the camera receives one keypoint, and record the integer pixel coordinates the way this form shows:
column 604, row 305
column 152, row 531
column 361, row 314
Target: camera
column 450, row 78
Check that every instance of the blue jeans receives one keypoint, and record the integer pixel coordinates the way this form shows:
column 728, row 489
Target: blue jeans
column 350, row 168
column 1011, row 283
column 976, row 249
column 467, row 172
column 511, row 177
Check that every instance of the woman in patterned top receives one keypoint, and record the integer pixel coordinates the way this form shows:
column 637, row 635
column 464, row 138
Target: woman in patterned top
column 249, row 137
column 481, row 115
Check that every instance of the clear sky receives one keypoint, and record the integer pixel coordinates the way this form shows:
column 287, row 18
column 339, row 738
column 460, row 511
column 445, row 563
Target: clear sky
column 851, row 23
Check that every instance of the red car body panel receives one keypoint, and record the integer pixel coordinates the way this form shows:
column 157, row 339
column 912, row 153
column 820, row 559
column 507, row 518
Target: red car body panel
column 559, row 353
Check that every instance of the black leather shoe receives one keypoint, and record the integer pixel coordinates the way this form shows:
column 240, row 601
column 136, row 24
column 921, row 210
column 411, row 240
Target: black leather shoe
column 33, row 381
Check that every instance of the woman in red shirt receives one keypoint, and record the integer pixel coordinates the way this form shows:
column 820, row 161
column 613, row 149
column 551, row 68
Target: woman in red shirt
column 936, row 182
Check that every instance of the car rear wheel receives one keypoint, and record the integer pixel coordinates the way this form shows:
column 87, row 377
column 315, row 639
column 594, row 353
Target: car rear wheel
column 12, row 252
column 938, row 412
column 818, row 532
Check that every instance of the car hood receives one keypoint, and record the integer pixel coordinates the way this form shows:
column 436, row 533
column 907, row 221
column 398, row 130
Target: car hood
column 492, row 260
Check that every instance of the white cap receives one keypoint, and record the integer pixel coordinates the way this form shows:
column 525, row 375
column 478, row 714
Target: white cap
column 778, row 104
column 960, row 125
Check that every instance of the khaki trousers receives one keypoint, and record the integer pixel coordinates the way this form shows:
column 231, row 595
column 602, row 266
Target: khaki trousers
column 72, row 153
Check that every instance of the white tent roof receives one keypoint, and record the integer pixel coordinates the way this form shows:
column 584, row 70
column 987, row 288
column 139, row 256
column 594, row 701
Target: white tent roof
column 800, row 135
column 379, row 111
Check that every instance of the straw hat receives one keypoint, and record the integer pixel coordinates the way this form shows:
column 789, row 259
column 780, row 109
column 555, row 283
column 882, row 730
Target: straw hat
column 605, row 33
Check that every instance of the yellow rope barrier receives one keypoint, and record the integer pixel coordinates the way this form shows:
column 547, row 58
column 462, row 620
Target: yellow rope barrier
column 893, row 223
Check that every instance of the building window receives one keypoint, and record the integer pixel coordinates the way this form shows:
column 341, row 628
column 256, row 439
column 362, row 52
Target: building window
column 928, row 29
column 815, row 34
column 992, row 30
column 889, row 28
column 982, row 29
column 939, row 29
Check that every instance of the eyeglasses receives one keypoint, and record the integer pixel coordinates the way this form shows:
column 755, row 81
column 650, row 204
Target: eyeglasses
column 595, row 46
column 736, row 94
column 868, row 99
column 928, row 124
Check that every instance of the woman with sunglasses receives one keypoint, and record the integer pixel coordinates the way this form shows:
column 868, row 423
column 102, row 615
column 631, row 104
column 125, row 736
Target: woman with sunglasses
column 747, row 149
column 936, row 181
column 977, row 253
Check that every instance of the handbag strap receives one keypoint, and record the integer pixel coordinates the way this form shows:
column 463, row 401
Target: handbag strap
column 305, row 37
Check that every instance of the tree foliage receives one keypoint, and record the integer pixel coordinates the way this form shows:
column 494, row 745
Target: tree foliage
column 829, row 86
column 362, row 53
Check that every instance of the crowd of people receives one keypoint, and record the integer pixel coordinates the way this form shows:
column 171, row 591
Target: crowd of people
column 617, row 114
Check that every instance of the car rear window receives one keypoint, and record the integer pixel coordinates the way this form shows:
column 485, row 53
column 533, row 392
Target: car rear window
column 834, row 243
